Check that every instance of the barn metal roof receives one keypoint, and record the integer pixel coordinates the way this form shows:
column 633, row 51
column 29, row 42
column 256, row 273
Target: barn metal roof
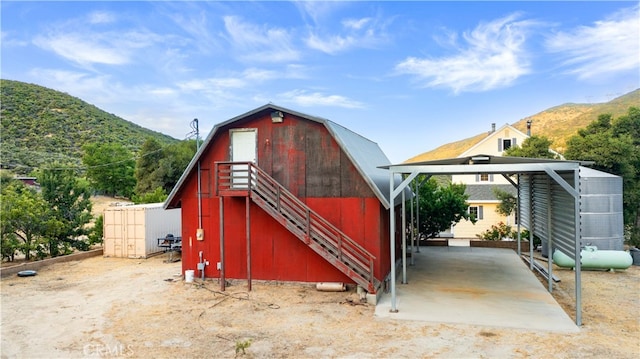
column 365, row 154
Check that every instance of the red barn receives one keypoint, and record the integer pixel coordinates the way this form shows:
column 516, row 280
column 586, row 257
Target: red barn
column 275, row 194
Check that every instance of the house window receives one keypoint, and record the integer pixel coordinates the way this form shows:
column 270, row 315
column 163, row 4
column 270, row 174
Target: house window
column 484, row 177
column 505, row 143
column 475, row 212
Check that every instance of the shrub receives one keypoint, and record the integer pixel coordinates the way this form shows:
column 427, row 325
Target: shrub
column 497, row 232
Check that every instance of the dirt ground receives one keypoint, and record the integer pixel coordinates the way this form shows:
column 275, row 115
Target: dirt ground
column 111, row 307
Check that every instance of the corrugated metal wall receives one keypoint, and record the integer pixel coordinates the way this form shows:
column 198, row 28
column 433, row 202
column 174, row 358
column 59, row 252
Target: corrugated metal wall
column 552, row 210
column 524, row 197
column 540, row 205
column 601, row 209
column 563, row 216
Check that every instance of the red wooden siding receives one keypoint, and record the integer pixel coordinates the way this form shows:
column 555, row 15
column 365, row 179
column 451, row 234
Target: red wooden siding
column 304, row 157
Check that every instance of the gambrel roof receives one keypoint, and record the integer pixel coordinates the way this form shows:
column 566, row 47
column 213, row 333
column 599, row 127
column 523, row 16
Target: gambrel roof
column 365, row 154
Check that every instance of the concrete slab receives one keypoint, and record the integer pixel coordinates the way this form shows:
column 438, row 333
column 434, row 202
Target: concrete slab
column 478, row 286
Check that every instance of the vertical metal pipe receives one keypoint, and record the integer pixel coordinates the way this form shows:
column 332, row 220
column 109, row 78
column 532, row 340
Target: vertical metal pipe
column 550, row 235
column 413, row 232
column 404, row 241
column 392, row 249
column 222, row 277
column 578, row 249
column 248, row 224
column 531, row 224
column 199, row 197
column 418, row 213
column 519, row 218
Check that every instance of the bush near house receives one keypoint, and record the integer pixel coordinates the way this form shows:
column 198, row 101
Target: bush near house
column 500, row 231
column 497, row 232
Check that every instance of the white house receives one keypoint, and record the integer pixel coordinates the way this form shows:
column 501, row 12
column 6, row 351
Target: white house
column 480, row 187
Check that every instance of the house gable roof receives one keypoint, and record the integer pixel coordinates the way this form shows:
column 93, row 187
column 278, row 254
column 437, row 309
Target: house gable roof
column 485, row 192
column 492, row 136
column 365, row 154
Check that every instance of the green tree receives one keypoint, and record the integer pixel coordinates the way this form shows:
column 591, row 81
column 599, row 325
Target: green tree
column 26, row 216
column 110, row 169
column 532, row 147
column 176, row 159
column 508, row 202
column 96, row 234
column 158, row 195
column 614, row 146
column 70, row 202
column 9, row 245
column 147, row 165
column 440, row 206
column 161, row 167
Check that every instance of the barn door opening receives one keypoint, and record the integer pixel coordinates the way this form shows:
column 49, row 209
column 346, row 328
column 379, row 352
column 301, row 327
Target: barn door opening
column 243, row 149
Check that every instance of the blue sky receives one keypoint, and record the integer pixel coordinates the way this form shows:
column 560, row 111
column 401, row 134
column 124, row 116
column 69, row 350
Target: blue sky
column 410, row 76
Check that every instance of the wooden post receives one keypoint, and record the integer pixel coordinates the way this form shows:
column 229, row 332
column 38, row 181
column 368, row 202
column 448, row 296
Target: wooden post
column 248, row 216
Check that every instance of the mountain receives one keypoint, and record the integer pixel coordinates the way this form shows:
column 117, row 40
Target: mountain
column 40, row 126
column 557, row 124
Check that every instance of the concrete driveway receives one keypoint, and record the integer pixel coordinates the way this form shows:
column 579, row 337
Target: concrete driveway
column 477, row 286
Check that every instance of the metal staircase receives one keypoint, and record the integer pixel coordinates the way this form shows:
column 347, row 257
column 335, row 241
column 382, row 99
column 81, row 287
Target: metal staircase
column 246, row 179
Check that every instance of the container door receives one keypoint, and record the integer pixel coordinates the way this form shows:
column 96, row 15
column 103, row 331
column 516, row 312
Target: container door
column 121, row 229
column 133, row 229
column 116, row 232
column 243, row 149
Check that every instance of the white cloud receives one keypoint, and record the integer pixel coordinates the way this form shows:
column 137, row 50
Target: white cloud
column 356, row 24
column 82, row 50
column 608, row 46
column 162, row 91
column 260, row 44
column 319, row 10
column 492, row 56
column 363, row 33
column 307, row 99
column 101, row 17
column 7, row 40
column 88, row 48
column 198, row 27
column 212, row 84
column 95, row 89
column 256, row 74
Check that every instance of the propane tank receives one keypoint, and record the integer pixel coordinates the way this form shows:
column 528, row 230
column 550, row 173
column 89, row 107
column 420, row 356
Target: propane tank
column 592, row 258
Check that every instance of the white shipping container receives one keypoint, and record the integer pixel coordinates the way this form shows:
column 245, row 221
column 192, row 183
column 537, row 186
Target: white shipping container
column 133, row 231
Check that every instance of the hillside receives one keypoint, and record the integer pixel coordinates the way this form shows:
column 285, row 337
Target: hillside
column 41, row 125
column 557, row 123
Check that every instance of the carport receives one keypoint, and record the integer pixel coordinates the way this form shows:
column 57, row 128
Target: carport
column 548, row 204
column 489, row 287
